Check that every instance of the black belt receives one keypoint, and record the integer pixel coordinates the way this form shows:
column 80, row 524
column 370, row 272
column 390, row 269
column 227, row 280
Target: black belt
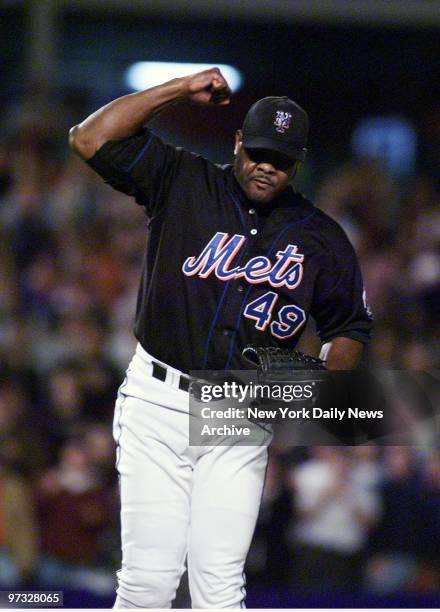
column 160, row 372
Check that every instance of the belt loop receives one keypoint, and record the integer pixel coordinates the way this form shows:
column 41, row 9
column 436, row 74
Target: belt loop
column 172, row 378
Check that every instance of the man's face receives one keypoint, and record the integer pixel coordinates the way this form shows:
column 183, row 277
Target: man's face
column 262, row 174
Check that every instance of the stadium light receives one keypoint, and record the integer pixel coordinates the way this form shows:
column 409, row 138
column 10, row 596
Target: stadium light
column 143, row 75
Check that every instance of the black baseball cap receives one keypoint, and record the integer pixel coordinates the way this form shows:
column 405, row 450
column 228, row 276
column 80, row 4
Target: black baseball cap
column 277, row 124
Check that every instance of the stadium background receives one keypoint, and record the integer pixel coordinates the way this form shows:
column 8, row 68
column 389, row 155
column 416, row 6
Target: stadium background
column 71, row 250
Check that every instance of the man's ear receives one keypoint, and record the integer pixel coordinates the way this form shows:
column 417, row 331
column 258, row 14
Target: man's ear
column 294, row 170
column 238, row 137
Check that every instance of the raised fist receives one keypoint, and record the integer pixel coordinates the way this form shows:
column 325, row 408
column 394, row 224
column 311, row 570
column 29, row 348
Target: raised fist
column 208, row 87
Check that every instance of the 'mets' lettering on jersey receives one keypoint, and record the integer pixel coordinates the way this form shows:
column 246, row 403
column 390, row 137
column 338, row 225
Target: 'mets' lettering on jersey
column 218, row 258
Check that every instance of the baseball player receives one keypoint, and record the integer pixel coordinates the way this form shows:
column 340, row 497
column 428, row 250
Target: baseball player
column 235, row 256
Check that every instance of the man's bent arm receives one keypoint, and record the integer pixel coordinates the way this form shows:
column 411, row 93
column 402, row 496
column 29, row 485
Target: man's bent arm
column 125, row 116
column 342, row 353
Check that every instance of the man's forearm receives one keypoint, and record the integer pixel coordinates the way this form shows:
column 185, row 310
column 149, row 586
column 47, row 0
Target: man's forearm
column 342, row 353
column 123, row 117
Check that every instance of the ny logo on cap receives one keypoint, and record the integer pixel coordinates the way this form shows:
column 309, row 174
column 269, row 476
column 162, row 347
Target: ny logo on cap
column 282, row 121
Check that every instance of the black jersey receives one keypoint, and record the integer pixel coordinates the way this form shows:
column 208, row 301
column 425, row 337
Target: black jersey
column 221, row 272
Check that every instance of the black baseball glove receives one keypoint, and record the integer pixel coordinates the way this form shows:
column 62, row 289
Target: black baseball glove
column 280, row 369
column 280, row 363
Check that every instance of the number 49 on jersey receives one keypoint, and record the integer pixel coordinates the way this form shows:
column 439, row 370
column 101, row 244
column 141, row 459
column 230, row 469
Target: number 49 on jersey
column 290, row 318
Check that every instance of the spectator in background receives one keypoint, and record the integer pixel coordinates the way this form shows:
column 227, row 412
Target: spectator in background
column 366, row 468
column 31, row 167
column 416, row 354
column 385, row 347
column 364, row 199
column 77, row 392
column 75, row 511
column 335, row 512
column 100, row 448
column 428, row 577
column 266, row 561
column 99, row 377
column 18, row 530
column 62, row 406
column 396, row 540
column 21, row 444
column 406, row 545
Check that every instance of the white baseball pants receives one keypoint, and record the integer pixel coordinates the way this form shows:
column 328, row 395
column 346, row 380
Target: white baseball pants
column 178, row 501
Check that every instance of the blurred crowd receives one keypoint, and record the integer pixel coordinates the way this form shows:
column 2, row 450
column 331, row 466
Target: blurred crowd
column 342, row 519
column 71, row 251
